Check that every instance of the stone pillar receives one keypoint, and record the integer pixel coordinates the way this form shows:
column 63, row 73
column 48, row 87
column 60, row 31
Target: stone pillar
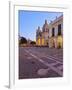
column 56, row 30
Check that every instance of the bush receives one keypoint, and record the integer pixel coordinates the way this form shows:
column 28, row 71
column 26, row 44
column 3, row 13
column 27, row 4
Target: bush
column 33, row 42
column 23, row 40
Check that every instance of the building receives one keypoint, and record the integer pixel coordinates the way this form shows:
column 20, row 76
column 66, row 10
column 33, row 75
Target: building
column 51, row 34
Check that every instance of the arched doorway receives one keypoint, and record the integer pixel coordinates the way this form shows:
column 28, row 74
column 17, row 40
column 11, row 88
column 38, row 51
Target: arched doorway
column 53, row 32
column 59, row 29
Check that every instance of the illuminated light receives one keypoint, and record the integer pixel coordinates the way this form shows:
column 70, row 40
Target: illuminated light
column 59, row 41
column 42, row 41
column 39, row 41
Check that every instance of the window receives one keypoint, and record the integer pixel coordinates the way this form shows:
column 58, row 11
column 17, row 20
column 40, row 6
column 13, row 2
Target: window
column 47, row 30
column 59, row 29
column 53, row 31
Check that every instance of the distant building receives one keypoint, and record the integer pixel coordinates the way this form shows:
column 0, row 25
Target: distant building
column 51, row 34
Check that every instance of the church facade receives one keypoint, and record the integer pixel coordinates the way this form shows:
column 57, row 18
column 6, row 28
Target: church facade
column 51, row 34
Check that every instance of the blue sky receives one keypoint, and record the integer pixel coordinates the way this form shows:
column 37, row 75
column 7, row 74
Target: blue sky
column 30, row 20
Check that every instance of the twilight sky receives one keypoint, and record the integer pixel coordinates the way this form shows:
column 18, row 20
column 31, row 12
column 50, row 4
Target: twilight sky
column 30, row 20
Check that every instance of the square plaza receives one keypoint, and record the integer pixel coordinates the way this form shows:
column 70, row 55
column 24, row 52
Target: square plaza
column 40, row 62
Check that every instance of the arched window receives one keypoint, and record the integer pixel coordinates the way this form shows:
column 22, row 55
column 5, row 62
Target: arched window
column 59, row 29
column 47, row 30
column 53, row 32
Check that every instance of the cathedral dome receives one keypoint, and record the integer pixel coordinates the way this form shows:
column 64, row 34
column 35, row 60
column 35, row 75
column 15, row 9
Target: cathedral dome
column 45, row 27
column 38, row 32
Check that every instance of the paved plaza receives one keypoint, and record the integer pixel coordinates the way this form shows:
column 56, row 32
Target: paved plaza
column 40, row 62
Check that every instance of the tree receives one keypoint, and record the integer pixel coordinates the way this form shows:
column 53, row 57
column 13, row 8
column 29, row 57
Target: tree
column 33, row 42
column 23, row 40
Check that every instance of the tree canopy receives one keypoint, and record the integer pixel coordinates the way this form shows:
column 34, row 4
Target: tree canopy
column 33, row 42
column 23, row 40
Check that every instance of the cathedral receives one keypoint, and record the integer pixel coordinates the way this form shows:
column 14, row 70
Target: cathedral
column 51, row 34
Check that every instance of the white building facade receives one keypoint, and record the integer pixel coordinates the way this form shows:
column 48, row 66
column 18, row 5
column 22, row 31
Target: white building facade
column 51, row 34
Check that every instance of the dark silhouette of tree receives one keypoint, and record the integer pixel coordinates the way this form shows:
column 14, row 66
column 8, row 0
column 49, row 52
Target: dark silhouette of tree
column 33, row 42
column 23, row 40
